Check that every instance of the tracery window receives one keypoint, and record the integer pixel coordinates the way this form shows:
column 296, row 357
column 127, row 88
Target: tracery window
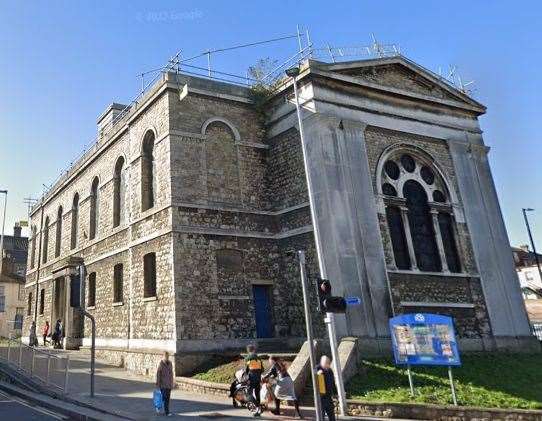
column 419, row 213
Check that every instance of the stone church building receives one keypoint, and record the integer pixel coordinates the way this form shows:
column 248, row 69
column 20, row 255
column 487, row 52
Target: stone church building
column 186, row 212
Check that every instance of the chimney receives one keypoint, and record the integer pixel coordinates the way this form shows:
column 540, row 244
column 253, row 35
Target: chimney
column 105, row 121
column 17, row 230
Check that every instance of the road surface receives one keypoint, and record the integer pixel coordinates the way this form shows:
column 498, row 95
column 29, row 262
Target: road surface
column 13, row 408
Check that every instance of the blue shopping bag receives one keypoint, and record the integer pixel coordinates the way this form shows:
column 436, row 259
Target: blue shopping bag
column 157, row 399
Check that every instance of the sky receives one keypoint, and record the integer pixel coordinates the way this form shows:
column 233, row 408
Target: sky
column 62, row 63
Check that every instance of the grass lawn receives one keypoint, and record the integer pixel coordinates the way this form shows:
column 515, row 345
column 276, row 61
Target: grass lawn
column 223, row 370
column 484, row 380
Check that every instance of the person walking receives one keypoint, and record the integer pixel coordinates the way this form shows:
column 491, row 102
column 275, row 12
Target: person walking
column 164, row 380
column 327, row 387
column 57, row 335
column 254, row 369
column 45, row 333
column 284, row 389
column 32, row 338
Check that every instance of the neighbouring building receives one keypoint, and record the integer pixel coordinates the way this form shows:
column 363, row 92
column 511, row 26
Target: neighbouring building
column 187, row 210
column 528, row 272
column 12, row 293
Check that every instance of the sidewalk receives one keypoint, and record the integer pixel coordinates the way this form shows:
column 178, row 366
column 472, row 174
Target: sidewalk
column 128, row 395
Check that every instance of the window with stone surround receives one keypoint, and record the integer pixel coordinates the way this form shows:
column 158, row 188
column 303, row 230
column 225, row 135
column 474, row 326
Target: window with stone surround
column 149, row 275
column 58, row 239
column 148, row 172
column 91, row 299
column 42, row 301
column 29, row 305
column 119, row 192
column 94, row 208
column 117, row 283
column 2, row 299
column 419, row 212
column 45, row 246
column 75, row 221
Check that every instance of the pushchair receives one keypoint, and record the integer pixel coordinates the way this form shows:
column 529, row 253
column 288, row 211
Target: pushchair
column 240, row 393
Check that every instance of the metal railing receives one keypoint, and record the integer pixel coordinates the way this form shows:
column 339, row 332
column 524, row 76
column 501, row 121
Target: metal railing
column 537, row 330
column 49, row 368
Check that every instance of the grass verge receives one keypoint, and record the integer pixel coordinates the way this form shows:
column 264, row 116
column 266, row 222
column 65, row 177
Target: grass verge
column 484, row 380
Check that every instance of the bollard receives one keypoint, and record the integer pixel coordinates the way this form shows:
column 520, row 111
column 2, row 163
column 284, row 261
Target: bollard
column 48, row 369
column 66, row 374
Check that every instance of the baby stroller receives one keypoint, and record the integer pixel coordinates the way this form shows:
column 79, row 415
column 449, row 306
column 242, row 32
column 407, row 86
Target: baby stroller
column 240, row 393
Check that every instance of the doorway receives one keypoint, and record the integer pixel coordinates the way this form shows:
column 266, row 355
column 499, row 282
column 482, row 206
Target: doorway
column 262, row 308
column 59, row 301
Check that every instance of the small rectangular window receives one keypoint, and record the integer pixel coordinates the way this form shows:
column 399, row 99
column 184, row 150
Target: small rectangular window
column 91, row 290
column 149, row 273
column 42, row 301
column 117, row 283
column 29, row 309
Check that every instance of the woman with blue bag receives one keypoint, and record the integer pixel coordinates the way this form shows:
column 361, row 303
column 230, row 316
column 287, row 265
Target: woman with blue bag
column 164, row 382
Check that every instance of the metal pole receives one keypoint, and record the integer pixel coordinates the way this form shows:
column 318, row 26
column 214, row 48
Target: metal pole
column 410, row 380
column 9, row 348
column 82, row 275
column 452, row 386
column 48, row 369
column 537, row 260
column 3, row 225
column 209, row 62
column 33, row 362
column 66, row 373
column 310, row 340
column 321, row 265
column 20, row 353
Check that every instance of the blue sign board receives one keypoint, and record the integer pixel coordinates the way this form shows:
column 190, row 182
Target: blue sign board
column 424, row 339
column 352, row 301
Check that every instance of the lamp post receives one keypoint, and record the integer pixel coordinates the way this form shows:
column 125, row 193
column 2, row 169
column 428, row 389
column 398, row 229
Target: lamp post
column 330, row 317
column 5, row 192
column 537, row 260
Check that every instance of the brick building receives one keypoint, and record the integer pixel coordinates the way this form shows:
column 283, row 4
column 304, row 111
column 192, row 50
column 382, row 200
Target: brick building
column 187, row 209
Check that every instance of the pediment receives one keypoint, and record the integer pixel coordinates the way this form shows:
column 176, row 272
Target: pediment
column 404, row 76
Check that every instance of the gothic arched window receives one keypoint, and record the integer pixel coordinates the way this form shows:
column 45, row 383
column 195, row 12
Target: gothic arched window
column 94, row 208
column 419, row 213
column 119, row 192
column 75, row 221
column 58, row 236
column 148, row 172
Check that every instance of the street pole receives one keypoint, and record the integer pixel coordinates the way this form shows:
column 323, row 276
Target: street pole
column 537, row 260
column 5, row 192
column 310, row 339
column 82, row 309
column 330, row 317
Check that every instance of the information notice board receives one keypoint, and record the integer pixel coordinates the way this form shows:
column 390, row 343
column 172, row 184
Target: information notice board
column 424, row 339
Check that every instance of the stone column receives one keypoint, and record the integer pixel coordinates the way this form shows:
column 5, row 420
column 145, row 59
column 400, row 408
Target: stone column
column 440, row 244
column 408, row 236
column 347, row 220
column 490, row 243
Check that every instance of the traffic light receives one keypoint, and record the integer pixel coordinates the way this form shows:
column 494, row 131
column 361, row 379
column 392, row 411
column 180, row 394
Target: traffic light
column 326, row 302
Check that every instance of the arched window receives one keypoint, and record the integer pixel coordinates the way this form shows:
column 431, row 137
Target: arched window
column 119, row 192
column 421, row 227
column 148, row 172
column 94, row 208
column 45, row 246
column 58, row 239
column 33, row 246
column 419, row 213
column 75, row 221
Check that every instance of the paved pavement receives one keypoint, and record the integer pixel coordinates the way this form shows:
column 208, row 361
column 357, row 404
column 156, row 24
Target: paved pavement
column 128, row 395
column 12, row 408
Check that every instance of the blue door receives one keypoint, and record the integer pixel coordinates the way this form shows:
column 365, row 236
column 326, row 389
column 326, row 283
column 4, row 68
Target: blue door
column 262, row 304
